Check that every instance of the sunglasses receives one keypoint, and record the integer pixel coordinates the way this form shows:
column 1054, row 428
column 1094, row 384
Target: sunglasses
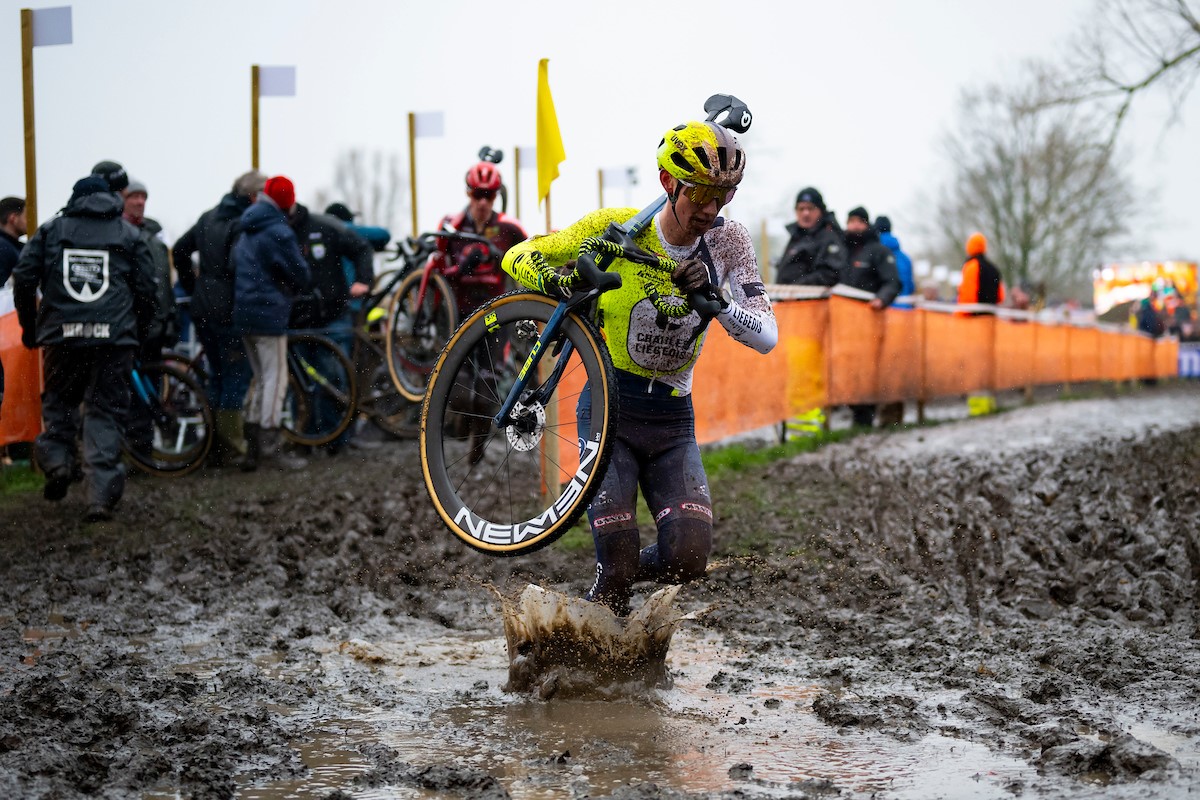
column 702, row 195
column 483, row 194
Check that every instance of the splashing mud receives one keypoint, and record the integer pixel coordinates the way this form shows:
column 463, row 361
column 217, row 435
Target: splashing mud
column 560, row 646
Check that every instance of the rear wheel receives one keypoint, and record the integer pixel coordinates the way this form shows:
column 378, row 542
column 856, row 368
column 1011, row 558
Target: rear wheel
column 321, row 393
column 171, row 424
column 418, row 327
column 485, row 481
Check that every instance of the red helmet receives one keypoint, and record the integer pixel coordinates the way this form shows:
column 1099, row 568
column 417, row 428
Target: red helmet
column 483, row 175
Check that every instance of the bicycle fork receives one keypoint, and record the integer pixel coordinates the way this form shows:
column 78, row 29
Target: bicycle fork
column 518, row 392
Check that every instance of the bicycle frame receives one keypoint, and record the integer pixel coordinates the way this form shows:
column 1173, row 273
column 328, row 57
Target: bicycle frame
column 737, row 118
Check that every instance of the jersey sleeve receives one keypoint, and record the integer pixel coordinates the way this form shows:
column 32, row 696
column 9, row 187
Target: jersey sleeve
column 530, row 261
column 749, row 318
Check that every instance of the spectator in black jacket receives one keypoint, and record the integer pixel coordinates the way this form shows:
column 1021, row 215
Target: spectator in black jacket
column 12, row 227
column 211, row 286
column 815, row 252
column 327, row 242
column 163, row 331
column 96, row 276
column 871, row 267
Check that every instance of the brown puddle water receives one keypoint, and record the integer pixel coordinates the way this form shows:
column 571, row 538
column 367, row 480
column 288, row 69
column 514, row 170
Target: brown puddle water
column 686, row 737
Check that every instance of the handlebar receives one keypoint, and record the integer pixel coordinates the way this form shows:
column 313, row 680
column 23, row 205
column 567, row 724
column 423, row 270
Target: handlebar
column 593, row 271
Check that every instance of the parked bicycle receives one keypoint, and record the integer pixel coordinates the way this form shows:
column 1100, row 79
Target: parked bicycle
column 181, row 420
column 424, row 310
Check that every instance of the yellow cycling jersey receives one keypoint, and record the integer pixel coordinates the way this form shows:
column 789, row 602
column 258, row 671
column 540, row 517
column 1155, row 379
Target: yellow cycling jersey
column 641, row 339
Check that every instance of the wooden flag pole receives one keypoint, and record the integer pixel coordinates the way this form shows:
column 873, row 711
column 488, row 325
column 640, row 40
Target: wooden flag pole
column 254, row 116
column 551, row 475
column 517, row 181
column 600, row 183
column 412, row 168
column 30, row 138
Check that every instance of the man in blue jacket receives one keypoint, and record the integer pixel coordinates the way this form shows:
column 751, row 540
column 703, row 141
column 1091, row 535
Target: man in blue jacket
column 904, row 267
column 891, row 414
column 270, row 271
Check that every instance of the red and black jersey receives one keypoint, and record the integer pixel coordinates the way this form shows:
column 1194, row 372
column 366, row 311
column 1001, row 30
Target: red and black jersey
column 474, row 274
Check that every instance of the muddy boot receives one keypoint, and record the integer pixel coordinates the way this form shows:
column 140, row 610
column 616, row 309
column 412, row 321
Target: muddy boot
column 272, row 453
column 229, row 444
column 253, row 435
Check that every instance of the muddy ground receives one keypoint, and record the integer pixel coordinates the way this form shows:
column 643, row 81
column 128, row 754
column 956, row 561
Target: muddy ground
column 988, row 608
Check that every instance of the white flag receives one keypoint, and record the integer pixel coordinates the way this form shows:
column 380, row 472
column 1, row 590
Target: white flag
column 51, row 26
column 429, row 124
column 618, row 177
column 527, row 155
column 276, row 81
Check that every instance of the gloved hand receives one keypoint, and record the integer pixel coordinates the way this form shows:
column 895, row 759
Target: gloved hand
column 29, row 338
column 691, row 275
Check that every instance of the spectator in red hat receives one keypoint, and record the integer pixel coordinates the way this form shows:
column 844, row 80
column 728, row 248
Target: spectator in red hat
column 271, row 270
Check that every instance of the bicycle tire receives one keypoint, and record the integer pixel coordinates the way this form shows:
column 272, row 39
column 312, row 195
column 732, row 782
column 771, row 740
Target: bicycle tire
column 182, row 421
column 416, row 336
column 321, row 383
column 506, row 514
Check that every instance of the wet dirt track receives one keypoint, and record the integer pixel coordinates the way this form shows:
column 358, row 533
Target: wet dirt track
column 988, row 608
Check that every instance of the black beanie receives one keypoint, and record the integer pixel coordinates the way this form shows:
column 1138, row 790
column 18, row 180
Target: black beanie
column 112, row 172
column 89, row 185
column 883, row 224
column 811, row 195
column 861, row 213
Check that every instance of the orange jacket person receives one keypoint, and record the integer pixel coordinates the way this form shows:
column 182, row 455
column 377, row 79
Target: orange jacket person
column 981, row 281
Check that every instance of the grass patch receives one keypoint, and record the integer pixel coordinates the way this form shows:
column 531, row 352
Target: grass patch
column 20, row 478
column 737, row 457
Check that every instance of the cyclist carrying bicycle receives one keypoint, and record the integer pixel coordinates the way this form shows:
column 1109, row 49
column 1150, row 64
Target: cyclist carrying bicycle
column 473, row 273
column 654, row 350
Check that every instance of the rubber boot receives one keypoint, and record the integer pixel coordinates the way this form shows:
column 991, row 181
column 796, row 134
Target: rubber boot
column 229, row 444
column 273, row 454
column 253, row 436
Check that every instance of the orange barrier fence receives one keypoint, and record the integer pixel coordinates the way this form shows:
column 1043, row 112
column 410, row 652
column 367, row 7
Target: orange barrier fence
column 21, row 413
column 837, row 350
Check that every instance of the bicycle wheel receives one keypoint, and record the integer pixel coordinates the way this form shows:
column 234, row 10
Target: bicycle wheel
column 486, row 481
column 169, row 412
column 321, row 393
column 417, row 331
column 385, row 407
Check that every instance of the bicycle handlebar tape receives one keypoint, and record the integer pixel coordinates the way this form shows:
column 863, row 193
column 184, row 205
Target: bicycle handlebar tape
column 590, row 272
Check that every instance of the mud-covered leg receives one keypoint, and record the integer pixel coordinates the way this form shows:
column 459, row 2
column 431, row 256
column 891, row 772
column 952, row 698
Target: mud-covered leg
column 613, row 518
column 676, row 490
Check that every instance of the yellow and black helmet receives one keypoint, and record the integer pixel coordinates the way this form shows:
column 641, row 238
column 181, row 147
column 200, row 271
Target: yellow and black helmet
column 702, row 153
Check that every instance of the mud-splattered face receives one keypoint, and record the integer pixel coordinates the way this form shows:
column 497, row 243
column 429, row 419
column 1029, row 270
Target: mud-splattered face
column 695, row 219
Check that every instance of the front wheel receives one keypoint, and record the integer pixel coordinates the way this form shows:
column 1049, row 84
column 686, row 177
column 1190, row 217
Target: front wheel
column 419, row 325
column 486, row 481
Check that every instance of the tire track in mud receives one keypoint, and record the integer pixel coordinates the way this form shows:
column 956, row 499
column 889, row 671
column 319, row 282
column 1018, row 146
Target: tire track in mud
column 1028, row 582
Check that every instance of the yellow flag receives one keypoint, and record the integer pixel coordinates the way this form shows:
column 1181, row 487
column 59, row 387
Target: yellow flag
column 549, row 140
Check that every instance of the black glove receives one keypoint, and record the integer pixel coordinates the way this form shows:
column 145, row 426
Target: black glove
column 691, row 275
column 29, row 338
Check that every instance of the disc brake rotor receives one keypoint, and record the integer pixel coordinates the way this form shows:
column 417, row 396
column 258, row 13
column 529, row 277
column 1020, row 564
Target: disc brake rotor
column 529, row 424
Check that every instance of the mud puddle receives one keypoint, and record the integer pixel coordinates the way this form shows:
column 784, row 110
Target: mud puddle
column 704, row 734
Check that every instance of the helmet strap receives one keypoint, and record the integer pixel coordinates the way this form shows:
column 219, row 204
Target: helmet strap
column 673, row 198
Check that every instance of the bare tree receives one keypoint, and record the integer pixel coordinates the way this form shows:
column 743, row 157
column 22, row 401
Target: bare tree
column 370, row 183
column 1040, row 181
column 1128, row 47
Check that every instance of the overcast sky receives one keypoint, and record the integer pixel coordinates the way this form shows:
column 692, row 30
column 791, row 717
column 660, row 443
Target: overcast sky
column 850, row 97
